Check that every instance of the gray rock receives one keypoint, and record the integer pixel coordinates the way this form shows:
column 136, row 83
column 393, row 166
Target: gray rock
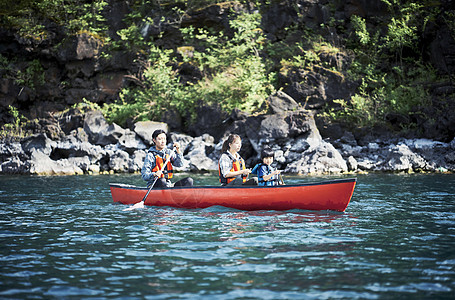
column 293, row 136
column 118, row 160
column 101, row 133
column 145, row 130
column 79, row 47
column 41, row 164
column 183, row 139
column 348, row 150
column 401, row 158
column 130, row 142
column 15, row 165
column 11, row 149
column 38, row 142
column 322, row 159
column 77, row 135
column 113, row 134
column 352, row 164
column 136, row 161
column 82, row 162
column 281, row 102
column 72, row 148
column 94, row 124
column 367, row 164
column 198, row 151
column 274, row 127
column 279, row 157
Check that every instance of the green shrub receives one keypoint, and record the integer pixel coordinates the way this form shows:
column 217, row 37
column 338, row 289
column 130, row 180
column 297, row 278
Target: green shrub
column 234, row 75
column 33, row 75
column 14, row 129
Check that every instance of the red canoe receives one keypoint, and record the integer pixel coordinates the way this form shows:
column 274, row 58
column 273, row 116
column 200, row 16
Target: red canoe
column 329, row 195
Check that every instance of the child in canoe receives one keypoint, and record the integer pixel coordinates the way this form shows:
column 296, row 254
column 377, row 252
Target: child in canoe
column 267, row 175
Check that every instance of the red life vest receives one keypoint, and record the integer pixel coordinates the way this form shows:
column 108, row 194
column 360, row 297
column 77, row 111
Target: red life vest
column 167, row 172
column 237, row 165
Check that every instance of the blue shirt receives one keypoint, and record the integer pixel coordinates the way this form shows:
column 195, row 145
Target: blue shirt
column 264, row 169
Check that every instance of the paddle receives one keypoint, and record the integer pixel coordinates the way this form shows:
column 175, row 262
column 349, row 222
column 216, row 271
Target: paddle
column 281, row 178
column 141, row 204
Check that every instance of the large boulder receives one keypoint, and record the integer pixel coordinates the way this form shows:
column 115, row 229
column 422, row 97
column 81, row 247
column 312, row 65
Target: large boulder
column 42, row 164
column 71, row 120
column 72, row 148
column 131, row 142
column 94, row 124
column 15, row 165
column 274, row 127
column 113, row 134
column 212, row 120
column 198, row 154
column 282, row 126
column 401, row 158
column 136, row 161
column 145, row 129
column 119, row 160
column 38, row 142
column 280, row 102
column 100, row 132
column 320, row 159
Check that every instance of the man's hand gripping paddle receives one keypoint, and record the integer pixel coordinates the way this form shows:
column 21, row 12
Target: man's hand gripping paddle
column 141, row 204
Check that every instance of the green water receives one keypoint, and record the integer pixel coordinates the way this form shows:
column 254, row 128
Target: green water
column 63, row 238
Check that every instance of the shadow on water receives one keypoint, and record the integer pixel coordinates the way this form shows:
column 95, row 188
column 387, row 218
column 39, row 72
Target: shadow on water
column 62, row 237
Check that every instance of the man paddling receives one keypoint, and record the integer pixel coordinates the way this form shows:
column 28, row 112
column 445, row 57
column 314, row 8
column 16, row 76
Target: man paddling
column 154, row 167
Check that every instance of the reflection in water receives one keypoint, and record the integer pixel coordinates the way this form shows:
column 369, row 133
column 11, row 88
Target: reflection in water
column 62, row 237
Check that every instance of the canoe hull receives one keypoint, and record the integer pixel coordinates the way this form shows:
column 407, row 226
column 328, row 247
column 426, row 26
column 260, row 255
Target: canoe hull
column 330, row 195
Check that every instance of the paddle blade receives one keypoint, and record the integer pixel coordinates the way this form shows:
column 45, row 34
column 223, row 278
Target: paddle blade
column 135, row 206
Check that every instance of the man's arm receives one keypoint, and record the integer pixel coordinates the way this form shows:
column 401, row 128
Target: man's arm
column 149, row 164
column 176, row 159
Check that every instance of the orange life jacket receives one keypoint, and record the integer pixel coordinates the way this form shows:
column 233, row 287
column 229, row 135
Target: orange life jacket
column 167, row 172
column 237, row 165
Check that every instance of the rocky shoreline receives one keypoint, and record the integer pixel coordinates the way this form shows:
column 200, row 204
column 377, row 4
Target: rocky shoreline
column 46, row 78
column 90, row 145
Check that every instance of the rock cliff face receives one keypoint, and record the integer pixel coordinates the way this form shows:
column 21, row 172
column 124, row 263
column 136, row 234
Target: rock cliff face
column 73, row 69
column 97, row 147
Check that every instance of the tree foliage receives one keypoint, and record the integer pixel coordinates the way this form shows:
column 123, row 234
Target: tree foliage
column 238, row 67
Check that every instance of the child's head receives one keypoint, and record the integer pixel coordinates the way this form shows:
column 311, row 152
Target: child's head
column 267, row 156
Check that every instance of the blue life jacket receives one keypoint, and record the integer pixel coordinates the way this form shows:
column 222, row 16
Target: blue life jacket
column 261, row 182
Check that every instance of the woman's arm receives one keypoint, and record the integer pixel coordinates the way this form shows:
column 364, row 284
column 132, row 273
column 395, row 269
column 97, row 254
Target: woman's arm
column 226, row 165
column 237, row 173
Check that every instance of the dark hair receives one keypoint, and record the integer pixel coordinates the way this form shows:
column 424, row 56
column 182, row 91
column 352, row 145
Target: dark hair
column 228, row 141
column 267, row 152
column 157, row 133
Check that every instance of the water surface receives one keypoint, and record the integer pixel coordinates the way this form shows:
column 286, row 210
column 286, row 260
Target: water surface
column 62, row 237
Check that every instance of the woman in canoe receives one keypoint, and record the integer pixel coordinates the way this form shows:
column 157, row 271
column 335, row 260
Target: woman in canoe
column 154, row 167
column 231, row 167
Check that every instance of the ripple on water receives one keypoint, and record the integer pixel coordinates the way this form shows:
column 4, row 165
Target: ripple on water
column 395, row 240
